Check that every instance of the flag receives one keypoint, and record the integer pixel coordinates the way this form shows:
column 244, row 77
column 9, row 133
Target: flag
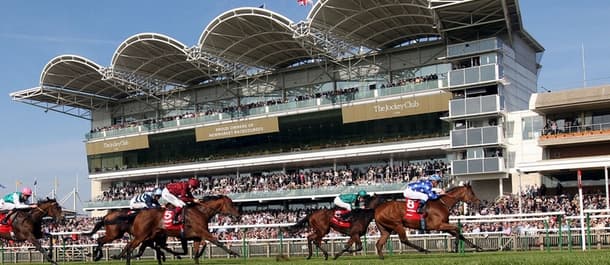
column 262, row 6
column 18, row 183
column 35, row 182
column 304, row 2
column 2, row 186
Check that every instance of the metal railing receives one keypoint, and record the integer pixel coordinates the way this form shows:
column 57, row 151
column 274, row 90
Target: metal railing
column 284, row 107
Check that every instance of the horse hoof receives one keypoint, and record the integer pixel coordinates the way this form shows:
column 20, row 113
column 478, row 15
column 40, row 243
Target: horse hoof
column 308, row 257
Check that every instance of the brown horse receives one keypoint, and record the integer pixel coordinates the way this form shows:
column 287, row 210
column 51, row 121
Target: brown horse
column 320, row 222
column 27, row 225
column 390, row 217
column 148, row 225
column 116, row 223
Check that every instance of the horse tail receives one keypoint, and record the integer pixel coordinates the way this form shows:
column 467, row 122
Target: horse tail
column 298, row 226
column 96, row 228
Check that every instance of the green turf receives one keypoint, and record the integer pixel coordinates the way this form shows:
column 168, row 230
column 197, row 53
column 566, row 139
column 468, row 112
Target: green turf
column 575, row 257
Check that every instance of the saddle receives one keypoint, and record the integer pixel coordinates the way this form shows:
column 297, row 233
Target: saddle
column 411, row 206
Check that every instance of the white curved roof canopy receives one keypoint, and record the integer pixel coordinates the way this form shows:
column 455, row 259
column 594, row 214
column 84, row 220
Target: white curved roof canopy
column 78, row 74
column 253, row 36
column 375, row 24
column 153, row 55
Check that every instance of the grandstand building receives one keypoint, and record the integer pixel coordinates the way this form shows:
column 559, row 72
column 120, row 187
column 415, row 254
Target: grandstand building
column 358, row 84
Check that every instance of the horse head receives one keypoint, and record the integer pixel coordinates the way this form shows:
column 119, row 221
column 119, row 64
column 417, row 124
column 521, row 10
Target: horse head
column 221, row 204
column 464, row 193
column 49, row 207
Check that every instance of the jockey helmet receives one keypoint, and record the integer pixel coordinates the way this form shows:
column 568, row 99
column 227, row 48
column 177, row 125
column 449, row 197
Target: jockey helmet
column 362, row 193
column 26, row 191
column 436, row 178
column 194, row 183
column 157, row 192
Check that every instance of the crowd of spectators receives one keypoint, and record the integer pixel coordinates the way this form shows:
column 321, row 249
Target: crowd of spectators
column 303, row 179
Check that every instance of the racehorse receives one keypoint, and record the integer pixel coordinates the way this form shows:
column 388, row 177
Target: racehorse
column 148, row 225
column 390, row 217
column 116, row 223
column 320, row 222
column 27, row 225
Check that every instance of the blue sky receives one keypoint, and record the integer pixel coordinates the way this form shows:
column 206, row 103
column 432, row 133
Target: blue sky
column 45, row 146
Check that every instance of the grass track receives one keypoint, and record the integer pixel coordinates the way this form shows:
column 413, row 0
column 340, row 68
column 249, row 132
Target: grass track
column 576, row 257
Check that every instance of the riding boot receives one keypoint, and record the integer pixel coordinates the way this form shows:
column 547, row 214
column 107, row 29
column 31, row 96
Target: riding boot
column 420, row 208
column 346, row 216
column 176, row 215
column 183, row 216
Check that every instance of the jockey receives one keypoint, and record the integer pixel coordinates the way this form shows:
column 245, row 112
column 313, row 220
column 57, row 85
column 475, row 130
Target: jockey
column 146, row 200
column 15, row 200
column 178, row 194
column 346, row 201
column 423, row 190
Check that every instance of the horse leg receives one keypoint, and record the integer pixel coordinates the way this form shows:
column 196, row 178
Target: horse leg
column 402, row 234
column 385, row 234
column 318, row 242
column 206, row 235
column 453, row 230
column 183, row 243
column 346, row 247
column 196, row 251
column 309, row 247
column 126, row 253
column 40, row 249
column 202, row 245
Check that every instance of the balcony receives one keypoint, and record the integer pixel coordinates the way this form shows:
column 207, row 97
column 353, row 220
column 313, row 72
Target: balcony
column 461, row 107
column 474, row 75
column 477, row 166
column 491, row 135
column 362, row 94
column 473, row 47
column 575, row 134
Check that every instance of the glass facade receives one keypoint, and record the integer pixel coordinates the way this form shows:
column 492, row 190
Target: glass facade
column 311, row 131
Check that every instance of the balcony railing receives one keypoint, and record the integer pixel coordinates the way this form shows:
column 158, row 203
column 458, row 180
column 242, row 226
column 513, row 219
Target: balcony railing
column 477, row 166
column 364, row 94
column 575, row 134
column 473, row 75
column 477, row 136
column 275, row 195
column 475, row 105
column 473, row 47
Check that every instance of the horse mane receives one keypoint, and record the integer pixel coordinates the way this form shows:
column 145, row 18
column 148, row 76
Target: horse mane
column 458, row 187
column 47, row 200
column 212, row 198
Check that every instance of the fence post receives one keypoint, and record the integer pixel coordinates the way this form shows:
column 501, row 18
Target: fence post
column 547, row 239
column 243, row 244
column 569, row 238
column 281, row 235
column 460, row 242
column 588, row 231
column 560, row 232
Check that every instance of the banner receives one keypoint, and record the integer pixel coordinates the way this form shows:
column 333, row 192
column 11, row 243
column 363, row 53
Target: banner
column 237, row 129
column 117, row 145
column 406, row 106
